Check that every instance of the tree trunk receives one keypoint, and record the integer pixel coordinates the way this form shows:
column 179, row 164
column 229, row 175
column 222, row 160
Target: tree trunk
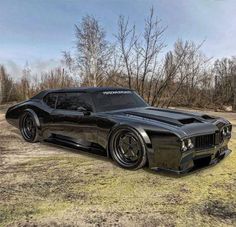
column 234, row 88
column 1, row 89
column 215, row 94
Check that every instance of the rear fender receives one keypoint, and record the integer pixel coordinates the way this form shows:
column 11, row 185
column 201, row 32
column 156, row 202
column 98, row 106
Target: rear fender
column 35, row 117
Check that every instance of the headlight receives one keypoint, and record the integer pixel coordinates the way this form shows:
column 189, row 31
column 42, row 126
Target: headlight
column 186, row 144
column 190, row 144
column 183, row 146
column 228, row 130
column 224, row 132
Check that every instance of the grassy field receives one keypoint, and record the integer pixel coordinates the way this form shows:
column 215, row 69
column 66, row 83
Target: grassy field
column 48, row 185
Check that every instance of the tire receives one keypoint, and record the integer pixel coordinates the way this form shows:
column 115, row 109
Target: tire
column 127, row 148
column 28, row 127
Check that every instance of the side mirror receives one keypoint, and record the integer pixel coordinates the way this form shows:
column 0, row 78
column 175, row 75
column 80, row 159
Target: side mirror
column 84, row 110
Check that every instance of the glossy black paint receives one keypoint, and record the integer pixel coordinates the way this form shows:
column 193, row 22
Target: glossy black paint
column 162, row 130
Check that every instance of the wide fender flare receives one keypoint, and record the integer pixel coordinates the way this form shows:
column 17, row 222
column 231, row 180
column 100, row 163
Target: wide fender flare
column 35, row 117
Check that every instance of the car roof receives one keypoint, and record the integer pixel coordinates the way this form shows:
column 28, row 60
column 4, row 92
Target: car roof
column 80, row 89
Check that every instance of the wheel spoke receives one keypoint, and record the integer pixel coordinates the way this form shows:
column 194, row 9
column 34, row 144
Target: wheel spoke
column 128, row 147
column 28, row 127
column 124, row 142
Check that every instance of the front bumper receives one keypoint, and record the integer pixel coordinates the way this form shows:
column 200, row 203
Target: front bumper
column 194, row 158
column 206, row 160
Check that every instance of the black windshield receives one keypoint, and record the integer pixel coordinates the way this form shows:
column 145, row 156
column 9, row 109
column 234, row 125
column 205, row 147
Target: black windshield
column 116, row 100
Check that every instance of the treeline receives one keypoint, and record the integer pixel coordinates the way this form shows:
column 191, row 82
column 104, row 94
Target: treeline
column 183, row 76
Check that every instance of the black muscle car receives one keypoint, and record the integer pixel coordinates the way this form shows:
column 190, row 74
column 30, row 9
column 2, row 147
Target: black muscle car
column 121, row 123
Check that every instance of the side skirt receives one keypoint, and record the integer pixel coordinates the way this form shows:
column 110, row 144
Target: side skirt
column 73, row 144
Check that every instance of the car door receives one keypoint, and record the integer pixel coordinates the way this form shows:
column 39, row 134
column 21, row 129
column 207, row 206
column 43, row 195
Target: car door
column 46, row 121
column 71, row 121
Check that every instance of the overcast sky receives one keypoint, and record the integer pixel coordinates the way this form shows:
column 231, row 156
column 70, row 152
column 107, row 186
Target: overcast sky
column 38, row 31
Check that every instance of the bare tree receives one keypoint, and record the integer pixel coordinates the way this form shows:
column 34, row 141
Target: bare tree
column 6, row 85
column 25, row 81
column 56, row 78
column 189, row 69
column 1, row 84
column 224, row 71
column 126, row 38
column 2, row 72
column 168, row 75
column 153, row 44
column 93, row 52
column 139, row 52
column 234, row 88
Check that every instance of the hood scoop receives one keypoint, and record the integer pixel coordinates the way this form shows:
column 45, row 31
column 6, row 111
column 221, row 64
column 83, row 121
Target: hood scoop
column 167, row 120
column 189, row 121
column 207, row 117
column 190, row 114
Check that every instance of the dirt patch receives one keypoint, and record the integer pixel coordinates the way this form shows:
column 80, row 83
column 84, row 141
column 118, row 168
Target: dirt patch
column 220, row 210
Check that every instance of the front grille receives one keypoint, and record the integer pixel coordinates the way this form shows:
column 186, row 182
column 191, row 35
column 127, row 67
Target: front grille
column 205, row 141
column 218, row 138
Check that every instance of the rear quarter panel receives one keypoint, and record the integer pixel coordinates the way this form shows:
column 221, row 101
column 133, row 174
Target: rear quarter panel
column 15, row 112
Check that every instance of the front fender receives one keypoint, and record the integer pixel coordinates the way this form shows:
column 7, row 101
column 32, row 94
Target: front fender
column 139, row 130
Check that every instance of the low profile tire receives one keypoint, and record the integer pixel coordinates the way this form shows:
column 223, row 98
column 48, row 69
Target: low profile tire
column 28, row 128
column 127, row 148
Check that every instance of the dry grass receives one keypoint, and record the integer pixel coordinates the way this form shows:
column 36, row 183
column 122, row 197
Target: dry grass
column 47, row 185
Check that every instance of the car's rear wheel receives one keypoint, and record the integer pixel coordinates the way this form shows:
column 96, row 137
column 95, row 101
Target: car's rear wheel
column 127, row 148
column 28, row 127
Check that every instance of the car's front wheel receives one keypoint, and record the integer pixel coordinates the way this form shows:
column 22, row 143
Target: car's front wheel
column 127, row 148
column 28, row 127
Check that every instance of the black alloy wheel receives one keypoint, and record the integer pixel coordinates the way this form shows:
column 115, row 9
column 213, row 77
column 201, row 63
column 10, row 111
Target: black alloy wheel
column 28, row 127
column 128, row 149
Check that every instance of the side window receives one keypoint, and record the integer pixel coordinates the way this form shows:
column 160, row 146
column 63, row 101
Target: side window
column 72, row 101
column 50, row 100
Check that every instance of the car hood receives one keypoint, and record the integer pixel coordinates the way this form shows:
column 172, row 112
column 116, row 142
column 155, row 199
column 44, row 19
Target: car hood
column 179, row 122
